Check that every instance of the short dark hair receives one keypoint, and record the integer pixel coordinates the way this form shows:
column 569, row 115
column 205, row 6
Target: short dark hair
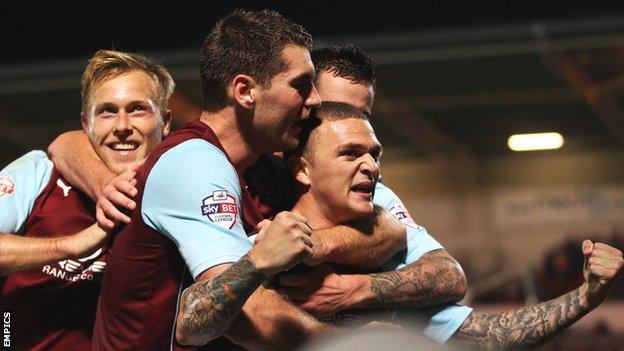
column 349, row 62
column 245, row 42
column 328, row 111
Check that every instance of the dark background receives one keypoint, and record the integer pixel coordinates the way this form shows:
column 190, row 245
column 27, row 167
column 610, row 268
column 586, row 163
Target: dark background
column 56, row 29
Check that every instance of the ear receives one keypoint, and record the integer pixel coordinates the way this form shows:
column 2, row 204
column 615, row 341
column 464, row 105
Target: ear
column 299, row 169
column 243, row 90
column 166, row 117
column 84, row 122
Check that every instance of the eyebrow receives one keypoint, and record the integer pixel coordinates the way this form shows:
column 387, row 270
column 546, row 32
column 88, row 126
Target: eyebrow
column 308, row 76
column 377, row 148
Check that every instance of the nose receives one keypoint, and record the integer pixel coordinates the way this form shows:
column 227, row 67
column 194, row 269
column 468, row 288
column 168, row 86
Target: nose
column 123, row 129
column 369, row 166
column 313, row 100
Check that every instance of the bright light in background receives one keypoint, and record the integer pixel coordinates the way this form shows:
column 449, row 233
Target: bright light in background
column 537, row 141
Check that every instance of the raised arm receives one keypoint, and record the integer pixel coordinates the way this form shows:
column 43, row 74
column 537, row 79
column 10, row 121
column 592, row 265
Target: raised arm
column 76, row 160
column 19, row 253
column 533, row 325
column 211, row 306
column 363, row 244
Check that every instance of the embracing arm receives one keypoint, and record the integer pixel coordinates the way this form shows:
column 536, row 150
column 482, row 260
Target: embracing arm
column 19, row 253
column 208, row 307
column 76, row 160
column 268, row 322
column 533, row 325
column 433, row 279
column 212, row 305
column 362, row 244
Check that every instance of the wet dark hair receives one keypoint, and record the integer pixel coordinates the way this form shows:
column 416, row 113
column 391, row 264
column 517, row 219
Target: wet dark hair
column 348, row 62
column 245, row 42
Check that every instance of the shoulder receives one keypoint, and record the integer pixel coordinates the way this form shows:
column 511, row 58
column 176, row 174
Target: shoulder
column 29, row 173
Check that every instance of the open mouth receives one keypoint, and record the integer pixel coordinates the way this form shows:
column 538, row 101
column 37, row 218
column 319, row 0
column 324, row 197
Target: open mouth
column 124, row 147
column 363, row 188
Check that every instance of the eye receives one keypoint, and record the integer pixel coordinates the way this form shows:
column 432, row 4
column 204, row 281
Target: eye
column 106, row 111
column 350, row 155
column 376, row 155
column 138, row 109
column 303, row 86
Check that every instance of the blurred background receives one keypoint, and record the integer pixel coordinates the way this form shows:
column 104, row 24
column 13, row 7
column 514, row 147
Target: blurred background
column 456, row 80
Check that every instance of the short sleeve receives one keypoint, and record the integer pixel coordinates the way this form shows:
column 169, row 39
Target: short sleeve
column 21, row 182
column 192, row 195
column 419, row 241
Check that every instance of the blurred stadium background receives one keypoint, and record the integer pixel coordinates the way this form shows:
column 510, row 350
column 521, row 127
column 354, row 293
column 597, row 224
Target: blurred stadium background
column 455, row 81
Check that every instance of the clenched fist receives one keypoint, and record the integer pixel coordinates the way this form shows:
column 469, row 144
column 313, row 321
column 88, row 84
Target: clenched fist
column 282, row 243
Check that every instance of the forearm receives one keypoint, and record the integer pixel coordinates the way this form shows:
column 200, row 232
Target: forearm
column 526, row 327
column 76, row 160
column 208, row 307
column 433, row 279
column 18, row 253
column 363, row 244
column 268, row 322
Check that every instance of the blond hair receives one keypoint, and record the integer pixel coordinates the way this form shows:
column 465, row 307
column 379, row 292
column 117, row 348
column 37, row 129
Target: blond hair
column 108, row 64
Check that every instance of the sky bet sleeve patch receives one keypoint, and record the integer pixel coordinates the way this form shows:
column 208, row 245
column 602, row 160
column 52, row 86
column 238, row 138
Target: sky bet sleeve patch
column 221, row 208
column 7, row 185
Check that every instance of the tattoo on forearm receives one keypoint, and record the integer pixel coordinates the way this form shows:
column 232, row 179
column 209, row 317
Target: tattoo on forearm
column 526, row 327
column 433, row 279
column 210, row 307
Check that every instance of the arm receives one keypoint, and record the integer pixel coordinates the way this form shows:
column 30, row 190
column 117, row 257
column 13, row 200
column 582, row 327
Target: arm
column 433, row 279
column 76, row 160
column 533, row 325
column 363, row 244
column 19, row 253
column 21, row 184
column 268, row 322
column 210, row 306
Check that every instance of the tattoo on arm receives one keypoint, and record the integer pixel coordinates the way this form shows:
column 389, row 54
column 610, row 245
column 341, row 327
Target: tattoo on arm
column 526, row 327
column 209, row 307
column 435, row 278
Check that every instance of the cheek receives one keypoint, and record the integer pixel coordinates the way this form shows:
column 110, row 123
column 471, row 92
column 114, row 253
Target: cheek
column 150, row 129
column 100, row 130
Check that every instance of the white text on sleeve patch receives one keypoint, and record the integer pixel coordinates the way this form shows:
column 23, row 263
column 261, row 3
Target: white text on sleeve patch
column 220, row 208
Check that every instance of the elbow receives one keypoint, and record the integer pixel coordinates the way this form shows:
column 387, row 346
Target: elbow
column 460, row 285
column 55, row 147
column 183, row 338
column 187, row 338
column 399, row 238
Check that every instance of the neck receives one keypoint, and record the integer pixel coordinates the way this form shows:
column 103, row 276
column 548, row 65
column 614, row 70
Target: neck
column 317, row 215
column 233, row 136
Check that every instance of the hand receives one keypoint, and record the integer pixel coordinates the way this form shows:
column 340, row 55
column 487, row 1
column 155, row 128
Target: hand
column 260, row 232
column 282, row 243
column 86, row 242
column 321, row 292
column 602, row 264
column 116, row 197
column 320, row 252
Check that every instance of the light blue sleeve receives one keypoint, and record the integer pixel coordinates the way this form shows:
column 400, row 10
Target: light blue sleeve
column 438, row 322
column 21, row 182
column 419, row 241
column 192, row 195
